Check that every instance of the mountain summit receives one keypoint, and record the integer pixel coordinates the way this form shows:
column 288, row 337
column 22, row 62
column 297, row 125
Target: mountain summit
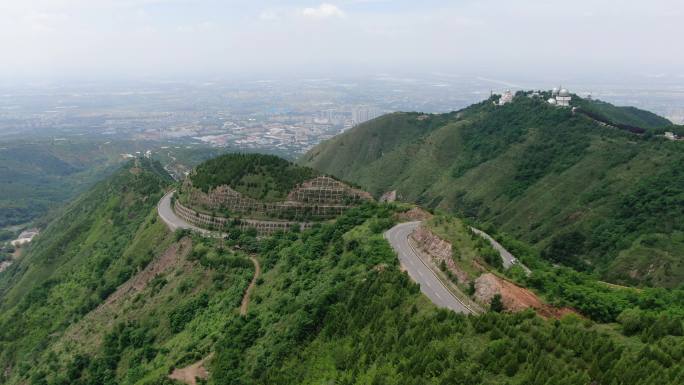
column 592, row 186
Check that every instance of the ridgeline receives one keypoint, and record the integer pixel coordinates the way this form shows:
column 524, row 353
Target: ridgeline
column 580, row 185
column 107, row 295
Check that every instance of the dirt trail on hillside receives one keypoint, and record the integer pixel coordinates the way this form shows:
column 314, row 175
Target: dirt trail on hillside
column 190, row 374
column 245, row 300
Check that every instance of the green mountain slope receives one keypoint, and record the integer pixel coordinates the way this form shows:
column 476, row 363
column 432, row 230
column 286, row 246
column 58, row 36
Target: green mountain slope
column 107, row 295
column 623, row 115
column 38, row 176
column 586, row 195
column 79, row 260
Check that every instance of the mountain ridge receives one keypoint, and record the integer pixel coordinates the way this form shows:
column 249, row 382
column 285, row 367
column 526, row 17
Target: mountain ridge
column 125, row 301
column 544, row 174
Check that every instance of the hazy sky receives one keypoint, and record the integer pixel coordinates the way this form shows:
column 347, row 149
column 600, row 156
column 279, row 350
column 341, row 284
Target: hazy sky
column 178, row 38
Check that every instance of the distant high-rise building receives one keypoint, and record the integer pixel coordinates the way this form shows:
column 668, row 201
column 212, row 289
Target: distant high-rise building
column 363, row 114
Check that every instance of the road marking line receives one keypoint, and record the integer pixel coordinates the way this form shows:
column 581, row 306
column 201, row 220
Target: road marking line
column 438, row 296
column 421, row 273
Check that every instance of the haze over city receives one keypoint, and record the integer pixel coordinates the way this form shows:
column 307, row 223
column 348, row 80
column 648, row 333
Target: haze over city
column 99, row 40
column 348, row 192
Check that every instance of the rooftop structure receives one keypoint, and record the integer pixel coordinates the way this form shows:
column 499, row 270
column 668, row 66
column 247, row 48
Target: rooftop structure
column 560, row 97
column 507, row 97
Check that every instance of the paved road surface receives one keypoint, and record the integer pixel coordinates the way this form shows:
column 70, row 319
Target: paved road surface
column 172, row 220
column 508, row 258
column 430, row 285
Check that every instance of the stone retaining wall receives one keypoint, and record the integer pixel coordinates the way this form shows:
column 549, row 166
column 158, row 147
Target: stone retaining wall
column 319, row 198
column 206, row 221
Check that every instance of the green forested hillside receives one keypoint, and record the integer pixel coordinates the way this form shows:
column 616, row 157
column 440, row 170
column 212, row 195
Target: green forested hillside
column 107, row 295
column 39, row 176
column 100, row 241
column 264, row 177
column 588, row 196
column 623, row 115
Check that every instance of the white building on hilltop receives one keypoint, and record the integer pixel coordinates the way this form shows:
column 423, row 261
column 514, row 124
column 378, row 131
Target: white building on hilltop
column 560, row 97
column 507, row 97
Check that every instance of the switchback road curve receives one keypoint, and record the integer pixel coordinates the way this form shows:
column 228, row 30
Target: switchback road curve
column 430, row 285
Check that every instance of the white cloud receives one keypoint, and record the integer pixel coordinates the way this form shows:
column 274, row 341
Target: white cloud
column 323, row 11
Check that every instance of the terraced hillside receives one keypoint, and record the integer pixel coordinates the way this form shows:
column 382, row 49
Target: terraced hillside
column 261, row 187
column 257, row 176
column 584, row 194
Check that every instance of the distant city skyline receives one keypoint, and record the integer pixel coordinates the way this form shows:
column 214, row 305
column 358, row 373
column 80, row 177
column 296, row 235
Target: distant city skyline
column 183, row 39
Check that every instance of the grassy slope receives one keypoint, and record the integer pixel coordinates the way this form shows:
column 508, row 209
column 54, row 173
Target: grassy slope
column 78, row 261
column 534, row 171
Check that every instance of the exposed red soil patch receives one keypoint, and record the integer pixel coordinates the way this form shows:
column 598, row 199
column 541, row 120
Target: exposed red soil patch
column 514, row 297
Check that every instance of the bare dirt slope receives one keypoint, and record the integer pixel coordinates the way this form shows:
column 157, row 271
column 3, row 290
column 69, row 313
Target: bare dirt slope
column 515, row 298
column 414, row 214
column 190, row 374
column 439, row 250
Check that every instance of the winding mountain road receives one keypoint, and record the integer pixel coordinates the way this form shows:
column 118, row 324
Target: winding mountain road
column 397, row 236
column 506, row 256
column 172, row 220
column 430, row 285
